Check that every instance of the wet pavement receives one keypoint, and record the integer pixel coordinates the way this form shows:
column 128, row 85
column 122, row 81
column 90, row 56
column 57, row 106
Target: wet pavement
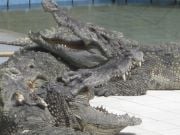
column 6, row 35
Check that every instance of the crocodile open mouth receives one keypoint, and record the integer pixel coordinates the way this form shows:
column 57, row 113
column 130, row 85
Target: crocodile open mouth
column 98, row 118
column 67, row 44
column 74, row 52
column 102, row 109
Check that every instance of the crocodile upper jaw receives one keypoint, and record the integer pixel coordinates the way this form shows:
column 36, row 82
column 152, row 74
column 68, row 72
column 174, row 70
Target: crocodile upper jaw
column 79, row 56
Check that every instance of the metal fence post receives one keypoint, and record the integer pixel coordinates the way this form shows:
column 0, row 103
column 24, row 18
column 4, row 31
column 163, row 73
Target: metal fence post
column 7, row 4
column 29, row 3
column 126, row 1
column 175, row 1
column 72, row 2
column 113, row 1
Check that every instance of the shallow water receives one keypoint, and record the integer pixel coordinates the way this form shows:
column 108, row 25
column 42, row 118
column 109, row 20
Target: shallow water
column 148, row 24
column 145, row 23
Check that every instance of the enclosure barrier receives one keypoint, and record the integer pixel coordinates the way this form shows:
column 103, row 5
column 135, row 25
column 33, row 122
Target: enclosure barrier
column 28, row 3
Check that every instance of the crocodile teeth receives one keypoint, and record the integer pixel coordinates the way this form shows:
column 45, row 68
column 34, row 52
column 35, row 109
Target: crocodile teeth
column 126, row 73
column 101, row 109
column 139, row 63
column 124, row 77
column 63, row 45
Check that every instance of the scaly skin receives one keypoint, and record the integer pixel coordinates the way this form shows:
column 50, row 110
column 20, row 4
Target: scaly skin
column 82, row 51
column 93, row 57
column 164, row 62
column 160, row 71
column 86, row 46
column 27, row 74
column 89, row 54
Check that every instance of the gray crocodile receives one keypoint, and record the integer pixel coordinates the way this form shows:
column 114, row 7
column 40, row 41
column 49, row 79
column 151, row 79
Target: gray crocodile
column 85, row 46
column 115, row 71
column 105, row 60
column 159, row 71
column 64, row 67
column 34, row 100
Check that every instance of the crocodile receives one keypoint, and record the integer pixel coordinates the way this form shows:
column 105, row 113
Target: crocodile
column 64, row 68
column 116, row 73
column 164, row 61
column 160, row 71
column 85, row 48
column 105, row 60
column 30, row 75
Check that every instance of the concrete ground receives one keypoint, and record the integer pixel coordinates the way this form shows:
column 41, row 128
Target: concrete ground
column 159, row 110
column 9, row 35
column 6, row 35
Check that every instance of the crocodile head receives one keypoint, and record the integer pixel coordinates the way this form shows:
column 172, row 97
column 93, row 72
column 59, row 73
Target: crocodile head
column 64, row 110
column 80, row 115
column 78, row 44
column 63, row 43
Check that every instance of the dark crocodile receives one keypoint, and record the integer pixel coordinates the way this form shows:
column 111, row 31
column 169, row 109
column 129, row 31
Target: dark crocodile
column 34, row 100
